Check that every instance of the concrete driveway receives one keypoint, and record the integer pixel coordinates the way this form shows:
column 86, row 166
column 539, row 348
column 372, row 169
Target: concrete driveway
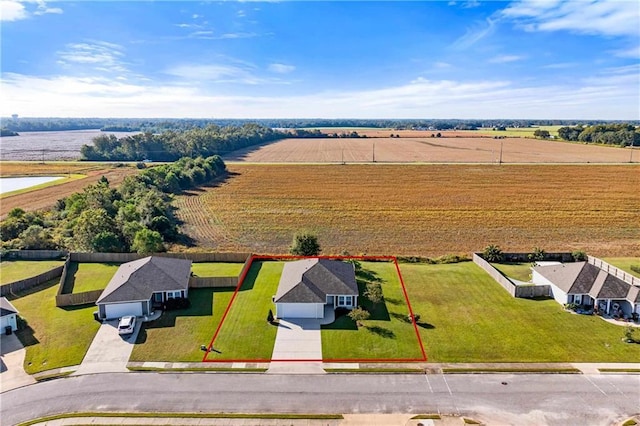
column 298, row 339
column 109, row 352
column 12, row 355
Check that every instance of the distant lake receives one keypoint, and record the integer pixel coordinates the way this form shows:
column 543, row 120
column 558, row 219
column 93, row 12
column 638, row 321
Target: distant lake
column 17, row 183
column 63, row 145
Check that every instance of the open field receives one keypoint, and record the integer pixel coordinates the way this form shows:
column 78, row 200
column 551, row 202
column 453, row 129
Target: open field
column 54, row 337
column 373, row 132
column 467, row 149
column 427, row 210
column 472, row 319
column 14, row 270
column 47, row 197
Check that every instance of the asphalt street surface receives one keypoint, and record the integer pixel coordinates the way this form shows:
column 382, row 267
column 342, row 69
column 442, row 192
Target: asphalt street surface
column 522, row 399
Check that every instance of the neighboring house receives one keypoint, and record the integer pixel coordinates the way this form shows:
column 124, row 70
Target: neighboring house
column 585, row 284
column 8, row 315
column 139, row 287
column 307, row 286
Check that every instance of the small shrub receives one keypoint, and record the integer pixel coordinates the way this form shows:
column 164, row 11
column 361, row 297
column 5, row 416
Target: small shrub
column 374, row 292
column 270, row 317
column 492, row 253
column 358, row 315
column 177, row 303
column 579, row 255
column 305, row 244
column 141, row 165
column 635, row 268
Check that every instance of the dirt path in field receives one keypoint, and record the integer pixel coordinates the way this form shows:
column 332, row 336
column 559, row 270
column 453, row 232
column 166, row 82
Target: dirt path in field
column 47, row 197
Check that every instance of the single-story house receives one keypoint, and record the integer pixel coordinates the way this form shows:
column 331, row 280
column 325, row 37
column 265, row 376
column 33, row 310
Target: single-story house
column 140, row 286
column 307, row 286
column 8, row 315
column 584, row 284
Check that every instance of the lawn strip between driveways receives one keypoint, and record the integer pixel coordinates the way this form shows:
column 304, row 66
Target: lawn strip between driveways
column 198, row 369
column 102, row 414
column 453, row 370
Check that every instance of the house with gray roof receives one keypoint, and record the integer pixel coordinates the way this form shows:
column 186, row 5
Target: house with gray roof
column 583, row 283
column 307, row 286
column 140, row 286
column 8, row 315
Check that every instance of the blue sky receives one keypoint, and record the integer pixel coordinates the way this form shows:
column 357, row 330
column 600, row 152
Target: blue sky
column 421, row 59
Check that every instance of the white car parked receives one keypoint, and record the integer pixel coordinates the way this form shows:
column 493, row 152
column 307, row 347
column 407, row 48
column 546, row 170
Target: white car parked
column 127, row 324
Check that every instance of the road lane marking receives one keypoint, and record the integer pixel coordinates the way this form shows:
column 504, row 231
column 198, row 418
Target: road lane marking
column 426, row 376
column 597, row 387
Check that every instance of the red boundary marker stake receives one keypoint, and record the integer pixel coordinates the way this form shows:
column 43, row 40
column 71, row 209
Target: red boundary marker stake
column 294, row 257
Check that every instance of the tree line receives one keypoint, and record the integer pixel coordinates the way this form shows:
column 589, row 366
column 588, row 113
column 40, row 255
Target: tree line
column 623, row 134
column 171, row 145
column 135, row 217
column 159, row 125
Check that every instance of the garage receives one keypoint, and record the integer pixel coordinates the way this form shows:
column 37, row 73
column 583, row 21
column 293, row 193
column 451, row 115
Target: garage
column 118, row 310
column 8, row 314
column 300, row 310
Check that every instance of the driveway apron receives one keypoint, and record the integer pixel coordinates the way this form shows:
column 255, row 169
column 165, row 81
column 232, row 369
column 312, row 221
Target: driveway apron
column 298, row 347
column 12, row 374
column 109, row 352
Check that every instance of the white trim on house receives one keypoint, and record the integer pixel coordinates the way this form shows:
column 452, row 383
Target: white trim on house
column 300, row 310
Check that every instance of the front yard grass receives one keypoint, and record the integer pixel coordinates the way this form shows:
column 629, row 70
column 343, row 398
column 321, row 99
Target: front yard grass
column 520, row 271
column 54, row 337
column 177, row 335
column 386, row 335
column 14, row 270
column 89, row 276
column 623, row 263
column 216, row 269
column 468, row 317
column 245, row 333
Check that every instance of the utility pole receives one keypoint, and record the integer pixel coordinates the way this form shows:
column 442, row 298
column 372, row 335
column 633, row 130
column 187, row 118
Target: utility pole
column 631, row 153
column 500, row 162
column 374, row 152
column 343, row 156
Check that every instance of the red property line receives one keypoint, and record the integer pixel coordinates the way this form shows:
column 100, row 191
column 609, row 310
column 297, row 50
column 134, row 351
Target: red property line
column 293, row 257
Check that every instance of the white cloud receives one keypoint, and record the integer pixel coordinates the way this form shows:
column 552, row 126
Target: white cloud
column 12, row 11
column 442, row 65
column 613, row 94
column 93, row 55
column 632, row 52
column 503, row 59
column 214, row 73
column 597, row 17
column 15, row 10
column 474, row 34
column 281, row 68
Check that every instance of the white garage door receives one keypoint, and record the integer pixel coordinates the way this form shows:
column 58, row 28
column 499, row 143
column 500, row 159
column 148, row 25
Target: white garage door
column 299, row 310
column 117, row 310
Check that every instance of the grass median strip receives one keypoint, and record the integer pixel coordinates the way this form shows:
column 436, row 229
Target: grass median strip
column 199, row 369
column 511, row 370
column 375, row 370
column 619, row 370
column 186, row 416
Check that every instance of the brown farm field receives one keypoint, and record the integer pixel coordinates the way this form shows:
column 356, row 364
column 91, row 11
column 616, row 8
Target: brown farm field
column 419, row 209
column 432, row 150
column 47, row 197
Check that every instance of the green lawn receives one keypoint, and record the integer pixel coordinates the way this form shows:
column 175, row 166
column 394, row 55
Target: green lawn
column 386, row 334
column 216, row 269
column 518, row 271
column 623, row 263
column 245, row 333
column 177, row 335
column 468, row 317
column 54, row 337
column 89, row 276
column 14, row 270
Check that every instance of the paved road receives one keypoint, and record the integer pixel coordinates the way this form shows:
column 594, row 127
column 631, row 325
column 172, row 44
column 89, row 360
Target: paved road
column 524, row 399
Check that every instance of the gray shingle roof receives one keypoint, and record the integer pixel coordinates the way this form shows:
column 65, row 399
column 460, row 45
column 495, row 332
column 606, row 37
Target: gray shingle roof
column 6, row 308
column 139, row 279
column 614, row 288
column 585, row 279
column 563, row 275
column 311, row 280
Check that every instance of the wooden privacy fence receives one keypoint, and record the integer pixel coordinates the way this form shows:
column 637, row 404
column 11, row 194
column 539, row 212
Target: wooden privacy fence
column 32, row 254
column 215, row 282
column 505, row 282
column 27, row 283
column 73, row 299
column 128, row 257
